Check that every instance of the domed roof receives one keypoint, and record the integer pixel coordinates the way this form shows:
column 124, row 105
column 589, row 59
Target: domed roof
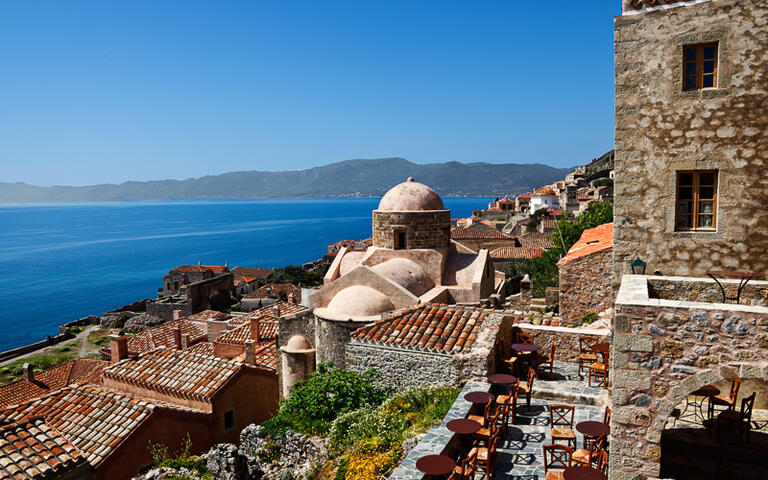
column 359, row 301
column 298, row 343
column 407, row 273
column 544, row 192
column 410, row 196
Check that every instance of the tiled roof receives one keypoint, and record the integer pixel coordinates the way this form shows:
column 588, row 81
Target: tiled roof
column 593, row 240
column 506, row 200
column 238, row 335
column 175, row 372
column 273, row 290
column 433, row 327
column 268, row 312
column 260, row 273
column 162, row 336
column 93, row 419
column 477, row 233
column 548, row 224
column 244, row 279
column 516, row 252
column 30, row 449
column 202, row 348
column 266, row 355
column 206, row 315
column 536, row 240
column 80, row 370
column 524, row 196
column 199, row 268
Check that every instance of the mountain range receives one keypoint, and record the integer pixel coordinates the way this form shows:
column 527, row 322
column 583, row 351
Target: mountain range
column 349, row 178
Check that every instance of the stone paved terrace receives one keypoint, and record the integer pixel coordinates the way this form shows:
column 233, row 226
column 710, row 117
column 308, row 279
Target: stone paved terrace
column 566, row 386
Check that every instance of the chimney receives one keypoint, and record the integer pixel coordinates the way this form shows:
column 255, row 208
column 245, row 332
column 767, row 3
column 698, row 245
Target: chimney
column 118, row 346
column 29, row 374
column 250, row 357
column 215, row 327
column 185, row 341
column 276, row 309
column 177, row 338
column 255, row 329
column 292, row 298
column 177, row 314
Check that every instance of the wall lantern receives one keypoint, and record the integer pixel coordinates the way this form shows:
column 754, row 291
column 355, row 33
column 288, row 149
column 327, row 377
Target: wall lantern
column 638, row 267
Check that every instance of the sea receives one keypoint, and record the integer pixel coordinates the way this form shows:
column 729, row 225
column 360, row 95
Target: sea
column 63, row 261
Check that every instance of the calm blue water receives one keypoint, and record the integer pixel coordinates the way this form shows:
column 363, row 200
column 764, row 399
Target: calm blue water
column 59, row 262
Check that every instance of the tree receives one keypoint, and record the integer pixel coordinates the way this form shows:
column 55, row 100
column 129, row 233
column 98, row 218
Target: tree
column 296, row 275
column 535, row 219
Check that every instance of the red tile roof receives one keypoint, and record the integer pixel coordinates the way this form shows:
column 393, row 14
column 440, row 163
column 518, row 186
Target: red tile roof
column 433, row 327
column 524, row 196
column 273, row 290
column 80, row 370
column 162, row 336
column 268, row 312
column 536, row 240
column 202, row 348
column 477, row 233
column 548, row 224
column 505, row 253
column 30, row 449
column 176, row 373
column 244, row 279
column 199, row 268
column 260, row 273
column 265, row 356
column 593, row 240
column 206, row 315
column 238, row 335
column 93, row 419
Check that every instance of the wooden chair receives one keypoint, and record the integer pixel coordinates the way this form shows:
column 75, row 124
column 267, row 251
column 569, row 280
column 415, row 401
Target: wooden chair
column 602, row 460
column 606, row 420
column 549, row 360
column 556, row 456
column 524, row 338
column 729, row 401
column 586, row 355
column 466, row 469
column 528, row 387
column 561, row 423
column 486, row 456
column 585, row 457
column 484, row 434
column 483, row 419
column 509, row 402
column 740, row 421
column 599, row 369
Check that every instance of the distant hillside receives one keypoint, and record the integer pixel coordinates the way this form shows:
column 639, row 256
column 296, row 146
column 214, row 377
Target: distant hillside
column 348, row 178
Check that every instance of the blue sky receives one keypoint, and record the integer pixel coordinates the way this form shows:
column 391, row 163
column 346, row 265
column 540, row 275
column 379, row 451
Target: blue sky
column 97, row 92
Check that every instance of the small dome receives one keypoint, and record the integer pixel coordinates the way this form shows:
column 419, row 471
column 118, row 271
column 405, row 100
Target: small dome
column 298, row 343
column 407, row 273
column 545, row 192
column 359, row 301
column 410, row 196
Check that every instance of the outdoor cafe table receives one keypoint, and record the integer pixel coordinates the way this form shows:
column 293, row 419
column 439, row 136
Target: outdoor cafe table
column 502, row 379
column 592, row 429
column 743, row 277
column 478, row 398
column 524, row 348
column 436, row 465
column 583, row 473
column 704, row 392
column 463, row 427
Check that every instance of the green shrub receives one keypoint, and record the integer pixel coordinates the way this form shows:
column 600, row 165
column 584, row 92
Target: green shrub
column 590, row 317
column 367, row 424
column 314, row 403
column 75, row 329
column 601, row 182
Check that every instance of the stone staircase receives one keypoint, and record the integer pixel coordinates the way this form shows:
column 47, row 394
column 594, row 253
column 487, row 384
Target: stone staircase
column 568, row 387
column 538, row 304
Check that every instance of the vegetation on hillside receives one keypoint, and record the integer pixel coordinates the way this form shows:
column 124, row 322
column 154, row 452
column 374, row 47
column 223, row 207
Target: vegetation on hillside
column 296, row 275
column 14, row 371
column 535, row 219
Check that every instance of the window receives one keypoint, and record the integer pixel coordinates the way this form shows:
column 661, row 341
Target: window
column 700, row 66
column 696, row 200
column 229, row 420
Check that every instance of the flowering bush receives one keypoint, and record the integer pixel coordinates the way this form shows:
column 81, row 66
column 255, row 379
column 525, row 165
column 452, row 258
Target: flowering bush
column 369, row 461
column 366, row 424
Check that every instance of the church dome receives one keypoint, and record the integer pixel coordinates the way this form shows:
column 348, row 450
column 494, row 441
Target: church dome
column 359, row 301
column 410, row 196
column 406, row 273
column 545, row 192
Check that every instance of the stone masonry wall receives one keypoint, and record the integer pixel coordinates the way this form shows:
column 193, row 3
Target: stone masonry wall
column 428, row 229
column 664, row 350
column 661, row 129
column 586, row 285
column 706, row 290
column 567, row 349
column 402, row 368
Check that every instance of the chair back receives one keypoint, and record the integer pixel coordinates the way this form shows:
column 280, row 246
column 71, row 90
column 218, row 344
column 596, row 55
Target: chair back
column 735, row 385
column 557, row 456
column 597, row 445
column 492, row 441
column 586, row 344
column 487, row 411
column 469, row 466
column 525, row 338
column 607, row 415
column 746, row 407
column 602, row 460
column 552, row 351
column 561, row 415
column 531, row 375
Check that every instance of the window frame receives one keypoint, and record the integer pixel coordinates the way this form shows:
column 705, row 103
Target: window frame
column 696, row 199
column 699, row 74
column 231, row 412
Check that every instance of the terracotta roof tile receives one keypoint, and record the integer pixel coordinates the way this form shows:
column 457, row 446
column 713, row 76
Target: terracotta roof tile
column 80, row 370
column 175, row 372
column 260, row 273
column 93, row 419
column 162, row 336
column 433, row 327
column 273, row 290
column 265, row 356
column 199, row 269
column 516, row 252
column 202, row 348
column 593, row 240
column 478, row 233
column 536, row 240
column 206, row 315
column 30, row 449
column 238, row 335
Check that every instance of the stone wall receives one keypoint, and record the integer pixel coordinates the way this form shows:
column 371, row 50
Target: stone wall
column 662, row 351
column 706, row 290
column 661, row 129
column 427, row 229
column 331, row 338
column 567, row 349
column 586, row 285
column 164, row 310
column 402, row 368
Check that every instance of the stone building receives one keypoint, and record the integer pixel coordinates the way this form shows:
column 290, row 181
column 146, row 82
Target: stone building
column 412, row 261
column 523, row 203
column 691, row 122
column 185, row 274
column 544, row 197
column 690, row 186
column 586, row 274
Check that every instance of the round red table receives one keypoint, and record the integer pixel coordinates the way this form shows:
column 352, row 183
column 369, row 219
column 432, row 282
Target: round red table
column 463, row 426
column 593, row 429
column 583, row 473
column 478, row 397
column 436, row 464
column 523, row 348
column 502, row 378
